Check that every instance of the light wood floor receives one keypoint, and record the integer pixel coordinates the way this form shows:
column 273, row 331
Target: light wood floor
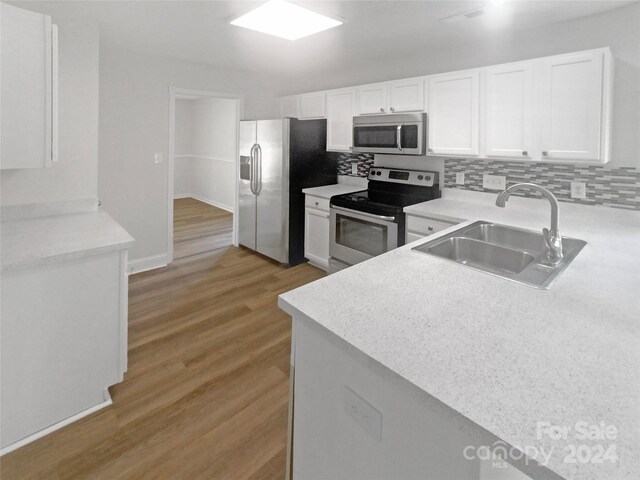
column 205, row 396
column 199, row 227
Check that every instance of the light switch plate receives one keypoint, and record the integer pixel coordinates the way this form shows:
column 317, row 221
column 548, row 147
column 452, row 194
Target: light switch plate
column 494, row 182
column 460, row 178
column 363, row 413
column 579, row 190
column 354, row 169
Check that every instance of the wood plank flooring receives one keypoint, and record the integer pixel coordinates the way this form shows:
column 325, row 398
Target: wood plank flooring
column 199, row 227
column 206, row 393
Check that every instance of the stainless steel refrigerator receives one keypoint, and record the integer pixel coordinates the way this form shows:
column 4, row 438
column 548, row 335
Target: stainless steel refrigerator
column 278, row 158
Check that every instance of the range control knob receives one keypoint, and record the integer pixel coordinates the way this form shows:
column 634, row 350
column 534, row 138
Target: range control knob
column 420, row 177
column 427, row 178
column 378, row 173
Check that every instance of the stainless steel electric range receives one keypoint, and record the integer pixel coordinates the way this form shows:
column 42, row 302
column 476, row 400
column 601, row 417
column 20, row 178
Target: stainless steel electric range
column 371, row 222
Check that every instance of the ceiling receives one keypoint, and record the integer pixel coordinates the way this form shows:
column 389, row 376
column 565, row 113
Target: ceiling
column 373, row 31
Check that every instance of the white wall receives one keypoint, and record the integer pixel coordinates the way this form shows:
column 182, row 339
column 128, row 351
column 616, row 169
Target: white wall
column 205, row 144
column 134, row 124
column 75, row 175
column 618, row 29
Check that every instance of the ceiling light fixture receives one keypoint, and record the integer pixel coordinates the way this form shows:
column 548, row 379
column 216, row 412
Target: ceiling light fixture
column 285, row 20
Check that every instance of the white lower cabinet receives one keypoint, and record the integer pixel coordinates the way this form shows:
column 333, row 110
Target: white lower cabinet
column 316, row 231
column 418, row 226
column 64, row 341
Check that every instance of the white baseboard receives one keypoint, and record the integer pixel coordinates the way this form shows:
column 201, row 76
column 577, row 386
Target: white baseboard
column 58, row 426
column 147, row 263
column 205, row 200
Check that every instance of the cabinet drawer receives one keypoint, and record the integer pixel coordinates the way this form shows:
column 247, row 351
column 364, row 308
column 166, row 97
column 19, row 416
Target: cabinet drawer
column 316, row 202
column 426, row 226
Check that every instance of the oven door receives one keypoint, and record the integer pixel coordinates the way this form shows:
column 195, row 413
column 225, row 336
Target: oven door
column 395, row 138
column 359, row 236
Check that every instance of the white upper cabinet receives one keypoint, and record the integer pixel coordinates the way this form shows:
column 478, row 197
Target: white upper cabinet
column 406, row 95
column 290, row 107
column 571, row 107
column 372, row 99
column 508, row 126
column 340, row 111
column 28, row 89
column 391, row 97
column 313, row 105
column 453, row 114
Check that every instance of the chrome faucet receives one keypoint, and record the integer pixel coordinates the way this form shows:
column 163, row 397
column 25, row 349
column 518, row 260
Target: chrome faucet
column 552, row 238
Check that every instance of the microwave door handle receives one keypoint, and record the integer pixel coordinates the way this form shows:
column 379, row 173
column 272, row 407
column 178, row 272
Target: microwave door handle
column 399, row 137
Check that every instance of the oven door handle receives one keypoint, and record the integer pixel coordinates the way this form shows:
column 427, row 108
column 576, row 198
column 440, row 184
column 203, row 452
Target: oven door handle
column 399, row 137
column 364, row 214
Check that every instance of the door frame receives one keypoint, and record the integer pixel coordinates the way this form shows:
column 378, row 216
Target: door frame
column 176, row 92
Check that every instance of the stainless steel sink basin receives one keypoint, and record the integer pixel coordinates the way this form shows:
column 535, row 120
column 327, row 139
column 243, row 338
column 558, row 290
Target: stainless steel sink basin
column 474, row 253
column 508, row 252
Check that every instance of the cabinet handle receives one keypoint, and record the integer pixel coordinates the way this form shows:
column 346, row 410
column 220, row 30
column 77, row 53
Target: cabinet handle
column 545, row 153
column 392, row 109
column 317, row 203
column 525, row 153
column 429, row 150
column 430, row 228
column 382, row 109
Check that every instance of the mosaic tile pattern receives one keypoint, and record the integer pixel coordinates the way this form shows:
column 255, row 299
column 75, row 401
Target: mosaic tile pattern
column 608, row 186
column 363, row 160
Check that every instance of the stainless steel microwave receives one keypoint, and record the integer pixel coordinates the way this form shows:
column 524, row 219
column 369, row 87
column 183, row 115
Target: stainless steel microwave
column 400, row 134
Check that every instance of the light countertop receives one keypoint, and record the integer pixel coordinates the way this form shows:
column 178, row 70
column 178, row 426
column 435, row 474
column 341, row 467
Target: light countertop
column 328, row 191
column 503, row 354
column 41, row 241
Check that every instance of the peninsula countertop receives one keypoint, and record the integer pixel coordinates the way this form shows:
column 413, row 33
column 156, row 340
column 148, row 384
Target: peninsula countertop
column 39, row 241
column 328, row 191
column 506, row 355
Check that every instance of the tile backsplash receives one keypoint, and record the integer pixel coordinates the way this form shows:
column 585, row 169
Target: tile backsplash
column 609, row 186
column 364, row 161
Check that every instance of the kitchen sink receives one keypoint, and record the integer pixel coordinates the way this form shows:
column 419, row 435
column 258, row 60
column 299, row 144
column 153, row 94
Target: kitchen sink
column 512, row 253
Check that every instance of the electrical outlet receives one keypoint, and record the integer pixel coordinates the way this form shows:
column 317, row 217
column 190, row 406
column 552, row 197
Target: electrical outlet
column 494, row 182
column 157, row 158
column 460, row 178
column 354, row 169
column 578, row 190
column 363, row 413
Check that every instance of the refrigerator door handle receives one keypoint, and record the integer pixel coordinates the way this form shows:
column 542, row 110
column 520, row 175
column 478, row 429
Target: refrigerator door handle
column 252, row 169
column 259, row 169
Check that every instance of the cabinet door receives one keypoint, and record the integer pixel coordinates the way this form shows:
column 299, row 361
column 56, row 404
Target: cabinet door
column 316, row 237
column 26, row 88
column 372, row 99
column 571, row 106
column 313, row 105
column 289, row 107
column 453, row 114
column 340, row 112
column 509, row 102
column 406, row 95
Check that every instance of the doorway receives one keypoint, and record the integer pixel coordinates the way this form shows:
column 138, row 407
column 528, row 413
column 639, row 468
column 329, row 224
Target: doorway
column 203, row 153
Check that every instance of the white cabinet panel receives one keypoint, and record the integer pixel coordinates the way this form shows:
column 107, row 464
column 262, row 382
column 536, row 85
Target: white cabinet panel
column 372, row 99
column 571, row 106
column 406, row 95
column 316, row 237
column 340, row 112
column 508, row 125
column 290, row 107
column 453, row 114
column 313, row 105
column 26, row 88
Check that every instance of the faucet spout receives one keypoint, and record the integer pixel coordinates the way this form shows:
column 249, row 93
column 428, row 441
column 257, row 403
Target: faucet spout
column 552, row 237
